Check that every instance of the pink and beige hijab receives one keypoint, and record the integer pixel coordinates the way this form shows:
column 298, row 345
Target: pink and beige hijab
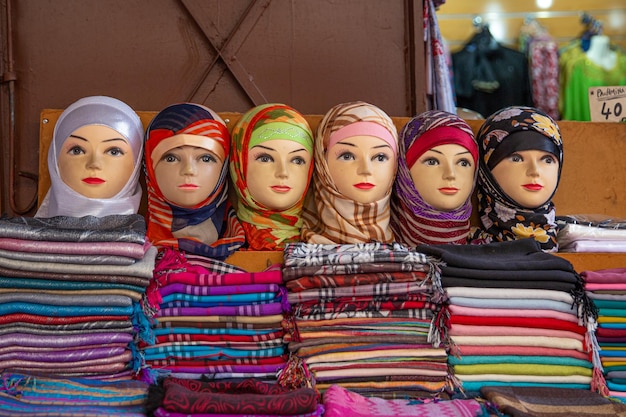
column 329, row 216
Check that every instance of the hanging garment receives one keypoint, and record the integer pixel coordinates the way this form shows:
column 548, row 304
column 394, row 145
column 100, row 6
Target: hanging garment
column 489, row 76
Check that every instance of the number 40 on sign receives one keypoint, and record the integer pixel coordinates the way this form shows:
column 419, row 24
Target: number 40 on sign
column 607, row 104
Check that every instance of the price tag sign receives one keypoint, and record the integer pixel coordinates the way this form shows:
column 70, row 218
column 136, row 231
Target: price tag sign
column 607, row 104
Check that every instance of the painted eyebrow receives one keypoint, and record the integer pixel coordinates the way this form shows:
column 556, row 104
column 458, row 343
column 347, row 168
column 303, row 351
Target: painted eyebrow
column 264, row 147
column 298, row 150
column 374, row 147
column 441, row 153
column 106, row 140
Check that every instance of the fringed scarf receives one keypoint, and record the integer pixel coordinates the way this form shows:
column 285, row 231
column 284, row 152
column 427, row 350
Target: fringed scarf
column 265, row 228
column 330, row 217
column 502, row 218
column 413, row 220
column 165, row 218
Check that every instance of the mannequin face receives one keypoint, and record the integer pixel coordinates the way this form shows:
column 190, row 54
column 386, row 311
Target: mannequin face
column 278, row 173
column 187, row 175
column 362, row 167
column 528, row 177
column 96, row 161
column 444, row 176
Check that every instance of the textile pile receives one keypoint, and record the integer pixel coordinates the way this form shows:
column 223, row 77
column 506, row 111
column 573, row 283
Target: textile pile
column 518, row 317
column 591, row 233
column 214, row 320
column 30, row 395
column 69, row 295
column 607, row 289
column 366, row 317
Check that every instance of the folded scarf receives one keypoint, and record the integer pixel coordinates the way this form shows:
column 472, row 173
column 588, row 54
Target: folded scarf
column 531, row 401
column 114, row 228
column 132, row 250
column 86, row 259
column 341, row 402
column 334, row 281
column 142, row 268
column 248, row 396
column 310, row 254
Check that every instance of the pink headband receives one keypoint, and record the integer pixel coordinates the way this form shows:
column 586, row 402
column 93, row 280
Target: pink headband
column 440, row 136
column 363, row 129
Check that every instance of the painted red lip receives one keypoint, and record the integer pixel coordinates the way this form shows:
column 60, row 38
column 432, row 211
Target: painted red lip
column 188, row 186
column 93, row 180
column 533, row 187
column 364, row 186
column 448, row 190
column 280, row 188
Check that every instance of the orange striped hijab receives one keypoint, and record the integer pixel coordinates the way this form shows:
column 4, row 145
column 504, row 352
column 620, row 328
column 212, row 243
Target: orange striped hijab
column 165, row 218
column 330, row 217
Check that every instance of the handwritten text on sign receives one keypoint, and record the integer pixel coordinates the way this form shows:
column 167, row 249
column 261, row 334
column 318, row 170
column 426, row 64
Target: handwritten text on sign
column 607, row 104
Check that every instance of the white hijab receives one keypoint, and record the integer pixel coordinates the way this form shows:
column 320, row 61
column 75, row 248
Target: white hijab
column 61, row 200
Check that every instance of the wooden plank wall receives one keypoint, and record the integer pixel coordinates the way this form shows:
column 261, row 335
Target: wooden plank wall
column 506, row 17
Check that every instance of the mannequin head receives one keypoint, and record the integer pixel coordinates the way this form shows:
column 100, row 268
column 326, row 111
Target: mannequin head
column 187, row 174
column 441, row 155
column 94, row 160
column 186, row 152
column 522, row 156
column 186, row 160
column 280, row 159
column 360, row 158
column 274, row 167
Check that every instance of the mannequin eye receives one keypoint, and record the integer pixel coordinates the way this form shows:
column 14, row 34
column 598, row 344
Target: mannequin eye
column 516, row 158
column 264, row 158
column 298, row 160
column 346, row 156
column 115, row 151
column 208, row 158
column 431, row 161
column 465, row 162
column 381, row 157
column 169, row 157
column 76, row 150
column 549, row 159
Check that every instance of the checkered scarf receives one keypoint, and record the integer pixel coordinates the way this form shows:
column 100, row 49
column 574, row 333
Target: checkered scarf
column 330, row 217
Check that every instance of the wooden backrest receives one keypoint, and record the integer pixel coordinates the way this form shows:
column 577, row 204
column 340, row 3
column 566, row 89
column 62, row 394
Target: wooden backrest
column 594, row 171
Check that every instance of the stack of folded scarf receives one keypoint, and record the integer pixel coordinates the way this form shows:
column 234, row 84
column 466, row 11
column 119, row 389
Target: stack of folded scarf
column 518, row 317
column 28, row 395
column 607, row 289
column 591, row 233
column 247, row 397
column 365, row 317
column 70, row 290
column 214, row 320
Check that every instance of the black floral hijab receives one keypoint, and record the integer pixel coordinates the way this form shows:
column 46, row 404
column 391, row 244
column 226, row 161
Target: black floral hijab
column 501, row 217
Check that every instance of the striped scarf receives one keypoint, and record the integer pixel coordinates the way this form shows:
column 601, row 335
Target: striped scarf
column 266, row 229
column 164, row 218
column 413, row 220
column 330, row 217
